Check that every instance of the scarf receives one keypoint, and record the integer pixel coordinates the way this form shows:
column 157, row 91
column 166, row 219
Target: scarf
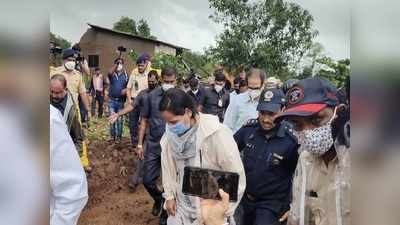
column 183, row 147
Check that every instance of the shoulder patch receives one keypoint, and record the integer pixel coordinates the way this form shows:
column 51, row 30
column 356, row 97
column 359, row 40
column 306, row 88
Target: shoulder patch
column 250, row 123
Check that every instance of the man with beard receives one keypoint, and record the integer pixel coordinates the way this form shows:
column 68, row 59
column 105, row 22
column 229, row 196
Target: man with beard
column 62, row 99
column 138, row 81
column 269, row 157
column 216, row 99
column 196, row 91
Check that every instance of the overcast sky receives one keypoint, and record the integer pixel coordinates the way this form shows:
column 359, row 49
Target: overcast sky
column 185, row 22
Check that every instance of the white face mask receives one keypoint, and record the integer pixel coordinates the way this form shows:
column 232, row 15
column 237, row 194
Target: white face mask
column 254, row 93
column 166, row 87
column 70, row 65
column 119, row 67
column 318, row 140
column 218, row 88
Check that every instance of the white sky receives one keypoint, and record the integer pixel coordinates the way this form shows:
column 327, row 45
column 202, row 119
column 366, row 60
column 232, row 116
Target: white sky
column 186, row 23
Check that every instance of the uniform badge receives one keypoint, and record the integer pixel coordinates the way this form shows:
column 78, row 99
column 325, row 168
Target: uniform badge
column 295, row 94
column 268, row 96
column 220, row 103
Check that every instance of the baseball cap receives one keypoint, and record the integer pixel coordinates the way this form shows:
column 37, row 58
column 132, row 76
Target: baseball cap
column 69, row 52
column 309, row 96
column 271, row 100
column 143, row 58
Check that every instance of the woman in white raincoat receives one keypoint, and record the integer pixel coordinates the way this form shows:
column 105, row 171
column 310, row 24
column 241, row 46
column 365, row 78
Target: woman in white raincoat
column 193, row 139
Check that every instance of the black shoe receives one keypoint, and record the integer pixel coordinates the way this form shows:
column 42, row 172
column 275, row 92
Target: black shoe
column 157, row 208
column 163, row 217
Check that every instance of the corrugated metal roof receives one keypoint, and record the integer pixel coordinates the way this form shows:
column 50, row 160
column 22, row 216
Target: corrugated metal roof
column 135, row 36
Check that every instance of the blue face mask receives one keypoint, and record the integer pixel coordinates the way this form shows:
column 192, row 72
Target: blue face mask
column 179, row 128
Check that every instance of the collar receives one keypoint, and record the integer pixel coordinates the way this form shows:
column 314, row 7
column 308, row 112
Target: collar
column 61, row 105
column 158, row 91
column 208, row 124
column 279, row 130
column 252, row 101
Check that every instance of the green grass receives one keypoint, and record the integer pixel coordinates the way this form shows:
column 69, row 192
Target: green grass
column 99, row 129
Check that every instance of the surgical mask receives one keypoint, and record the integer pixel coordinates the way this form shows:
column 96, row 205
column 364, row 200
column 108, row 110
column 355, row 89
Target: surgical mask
column 119, row 67
column 70, row 65
column 254, row 93
column 179, row 128
column 166, row 87
column 318, row 140
column 218, row 88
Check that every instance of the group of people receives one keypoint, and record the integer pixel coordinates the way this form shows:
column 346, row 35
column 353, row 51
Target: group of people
column 288, row 141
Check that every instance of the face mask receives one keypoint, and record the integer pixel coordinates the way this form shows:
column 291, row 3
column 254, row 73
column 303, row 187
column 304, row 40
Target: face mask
column 318, row 140
column 218, row 88
column 179, row 128
column 119, row 67
column 70, row 65
column 166, row 87
column 254, row 93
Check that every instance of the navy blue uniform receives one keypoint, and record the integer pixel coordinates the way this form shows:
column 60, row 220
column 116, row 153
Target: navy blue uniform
column 134, row 116
column 152, row 155
column 269, row 163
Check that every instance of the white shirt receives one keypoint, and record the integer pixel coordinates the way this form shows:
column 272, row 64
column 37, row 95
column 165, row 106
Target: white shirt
column 239, row 111
column 68, row 185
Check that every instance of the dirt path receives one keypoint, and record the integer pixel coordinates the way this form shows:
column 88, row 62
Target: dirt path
column 110, row 201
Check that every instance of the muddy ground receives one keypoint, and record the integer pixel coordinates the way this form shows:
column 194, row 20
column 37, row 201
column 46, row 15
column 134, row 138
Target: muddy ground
column 110, row 200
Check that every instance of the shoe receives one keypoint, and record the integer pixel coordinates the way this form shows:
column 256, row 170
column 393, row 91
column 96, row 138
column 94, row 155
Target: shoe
column 157, row 208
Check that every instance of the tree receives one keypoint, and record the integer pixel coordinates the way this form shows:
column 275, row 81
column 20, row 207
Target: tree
column 269, row 34
column 55, row 59
column 201, row 64
column 335, row 71
column 161, row 60
column 126, row 24
column 143, row 29
column 59, row 41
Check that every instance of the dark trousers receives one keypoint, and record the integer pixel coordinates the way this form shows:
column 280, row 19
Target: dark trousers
column 152, row 169
column 99, row 99
column 134, row 125
column 82, row 108
column 259, row 213
column 137, row 177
